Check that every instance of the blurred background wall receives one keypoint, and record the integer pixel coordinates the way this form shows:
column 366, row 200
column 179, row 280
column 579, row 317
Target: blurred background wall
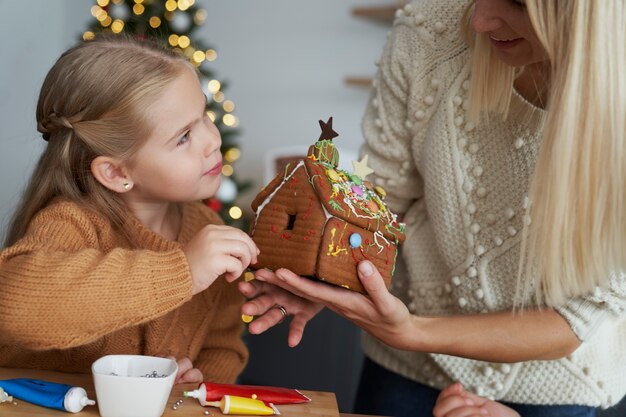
column 285, row 63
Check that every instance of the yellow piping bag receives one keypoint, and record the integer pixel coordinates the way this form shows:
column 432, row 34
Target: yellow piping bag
column 231, row 404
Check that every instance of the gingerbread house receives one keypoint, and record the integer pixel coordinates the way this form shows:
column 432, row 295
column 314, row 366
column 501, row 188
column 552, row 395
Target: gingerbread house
column 319, row 221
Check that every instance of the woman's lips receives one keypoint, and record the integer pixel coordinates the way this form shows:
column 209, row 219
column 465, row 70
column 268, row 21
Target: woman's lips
column 505, row 43
column 216, row 170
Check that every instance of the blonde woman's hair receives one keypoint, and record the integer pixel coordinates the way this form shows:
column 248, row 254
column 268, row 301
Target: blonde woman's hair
column 576, row 239
column 491, row 84
column 93, row 103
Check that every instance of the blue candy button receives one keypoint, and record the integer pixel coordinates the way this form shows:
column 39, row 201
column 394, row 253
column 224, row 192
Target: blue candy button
column 355, row 240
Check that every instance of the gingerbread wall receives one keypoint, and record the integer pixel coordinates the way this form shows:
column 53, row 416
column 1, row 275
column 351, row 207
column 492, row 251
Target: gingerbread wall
column 288, row 230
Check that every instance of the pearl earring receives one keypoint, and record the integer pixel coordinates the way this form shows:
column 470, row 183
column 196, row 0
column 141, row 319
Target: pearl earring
column 127, row 185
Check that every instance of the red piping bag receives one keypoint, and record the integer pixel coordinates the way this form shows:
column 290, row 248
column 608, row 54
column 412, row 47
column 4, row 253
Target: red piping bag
column 209, row 391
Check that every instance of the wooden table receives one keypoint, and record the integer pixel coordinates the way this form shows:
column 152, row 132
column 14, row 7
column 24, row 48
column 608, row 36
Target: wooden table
column 322, row 404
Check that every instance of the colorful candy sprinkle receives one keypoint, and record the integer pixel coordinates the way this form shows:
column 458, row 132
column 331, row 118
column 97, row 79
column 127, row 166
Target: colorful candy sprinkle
column 372, row 206
column 357, row 190
column 355, row 240
column 332, row 174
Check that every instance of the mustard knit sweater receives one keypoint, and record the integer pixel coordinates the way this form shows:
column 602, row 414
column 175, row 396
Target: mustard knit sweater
column 463, row 189
column 74, row 289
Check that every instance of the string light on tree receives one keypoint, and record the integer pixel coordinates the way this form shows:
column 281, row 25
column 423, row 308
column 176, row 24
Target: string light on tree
column 174, row 22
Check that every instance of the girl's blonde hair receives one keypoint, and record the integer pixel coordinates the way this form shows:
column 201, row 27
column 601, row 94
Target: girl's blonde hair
column 578, row 209
column 93, row 103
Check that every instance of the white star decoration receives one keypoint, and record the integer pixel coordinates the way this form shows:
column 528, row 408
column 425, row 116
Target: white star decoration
column 361, row 169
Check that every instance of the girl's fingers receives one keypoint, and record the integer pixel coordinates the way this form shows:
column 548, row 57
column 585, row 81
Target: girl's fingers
column 192, row 375
column 232, row 267
column 236, row 249
column 184, row 365
column 231, row 233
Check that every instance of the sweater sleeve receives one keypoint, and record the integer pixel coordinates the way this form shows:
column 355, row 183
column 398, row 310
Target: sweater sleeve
column 224, row 355
column 60, row 289
column 586, row 315
column 405, row 95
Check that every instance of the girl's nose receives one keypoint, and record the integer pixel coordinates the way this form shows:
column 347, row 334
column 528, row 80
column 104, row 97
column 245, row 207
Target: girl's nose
column 485, row 17
column 212, row 143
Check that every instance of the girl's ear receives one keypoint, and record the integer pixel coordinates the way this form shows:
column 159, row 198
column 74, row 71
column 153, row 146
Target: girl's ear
column 111, row 173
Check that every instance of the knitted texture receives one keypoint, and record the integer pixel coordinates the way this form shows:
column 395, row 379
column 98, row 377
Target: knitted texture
column 463, row 189
column 74, row 289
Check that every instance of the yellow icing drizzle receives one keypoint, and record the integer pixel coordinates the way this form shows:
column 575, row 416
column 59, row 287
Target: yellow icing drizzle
column 334, row 250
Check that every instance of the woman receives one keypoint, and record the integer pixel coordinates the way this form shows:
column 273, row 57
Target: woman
column 501, row 140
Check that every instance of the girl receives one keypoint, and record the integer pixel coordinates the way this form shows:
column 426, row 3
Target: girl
column 505, row 152
column 109, row 251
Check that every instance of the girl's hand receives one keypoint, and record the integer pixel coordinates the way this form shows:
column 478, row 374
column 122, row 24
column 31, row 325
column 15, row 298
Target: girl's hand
column 381, row 314
column 217, row 250
column 265, row 299
column 186, row 372
column 454, row 401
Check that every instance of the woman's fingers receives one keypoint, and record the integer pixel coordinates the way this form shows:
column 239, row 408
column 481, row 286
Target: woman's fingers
column 270, row 304
column 374, row 285
column 318, row 292
column 296, row 330
column 267, row 320
column 455, row 388
column 249, row 289
column 451, row 399
column 457, row 406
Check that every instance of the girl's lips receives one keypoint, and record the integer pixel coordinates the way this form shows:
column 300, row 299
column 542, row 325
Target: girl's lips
column 216, row 170
column 505, row 43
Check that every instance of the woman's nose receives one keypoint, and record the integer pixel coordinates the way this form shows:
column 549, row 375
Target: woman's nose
column 485, row 17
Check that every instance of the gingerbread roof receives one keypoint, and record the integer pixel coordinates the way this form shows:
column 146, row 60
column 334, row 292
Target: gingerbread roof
column 343, row 195
column 353, row 200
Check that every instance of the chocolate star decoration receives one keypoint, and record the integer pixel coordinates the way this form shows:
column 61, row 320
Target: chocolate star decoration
column 327, row 130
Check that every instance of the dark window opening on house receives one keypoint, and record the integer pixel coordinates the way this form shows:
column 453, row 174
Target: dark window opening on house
column 291, row 222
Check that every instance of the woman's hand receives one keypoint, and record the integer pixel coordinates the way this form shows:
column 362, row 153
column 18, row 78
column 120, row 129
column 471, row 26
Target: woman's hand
column 186, row 372
column 381, row 314
column 217, row 250
column 531, row 335
column 265, row 299
column 454, row 401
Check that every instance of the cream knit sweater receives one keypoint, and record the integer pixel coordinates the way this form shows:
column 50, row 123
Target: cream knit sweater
column 463, row 189
column 74, row 289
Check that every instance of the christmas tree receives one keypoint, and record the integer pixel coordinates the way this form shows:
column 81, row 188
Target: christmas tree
column 175, row 22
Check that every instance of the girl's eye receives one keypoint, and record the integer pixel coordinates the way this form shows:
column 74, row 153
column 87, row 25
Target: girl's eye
column 184, row 139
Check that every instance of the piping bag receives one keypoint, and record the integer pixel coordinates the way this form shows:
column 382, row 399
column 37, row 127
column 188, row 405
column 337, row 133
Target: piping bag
column 47, row 394
column 231, row 404
column 208, row 391
column 4, row 397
